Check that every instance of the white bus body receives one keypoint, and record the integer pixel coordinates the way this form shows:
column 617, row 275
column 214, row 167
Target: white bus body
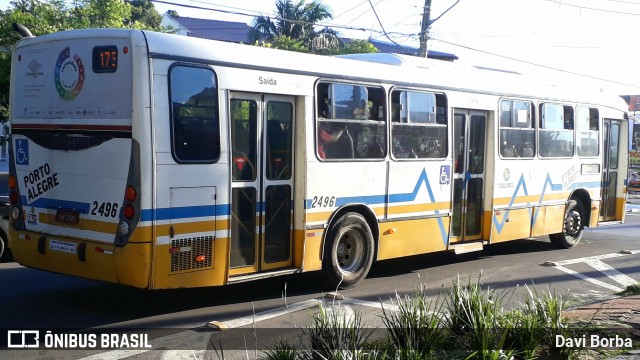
column 160, row 161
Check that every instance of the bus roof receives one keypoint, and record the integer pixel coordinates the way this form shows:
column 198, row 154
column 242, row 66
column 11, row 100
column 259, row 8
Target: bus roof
column 378, row 68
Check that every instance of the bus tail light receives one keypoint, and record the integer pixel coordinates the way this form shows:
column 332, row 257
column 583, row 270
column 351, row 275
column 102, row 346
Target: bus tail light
column 13, row 194
column 130, row 194
column 14, row 199
column 128, row 211
column 128, row 215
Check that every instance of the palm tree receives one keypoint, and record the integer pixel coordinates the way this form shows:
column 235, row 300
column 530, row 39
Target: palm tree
column 297, row 20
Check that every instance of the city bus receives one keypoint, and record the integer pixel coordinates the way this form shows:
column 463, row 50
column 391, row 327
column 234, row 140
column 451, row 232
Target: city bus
column 161, row 161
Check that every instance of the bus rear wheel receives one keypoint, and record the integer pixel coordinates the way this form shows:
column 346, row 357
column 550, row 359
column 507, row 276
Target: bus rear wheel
column 348, row 251
column 572, row 228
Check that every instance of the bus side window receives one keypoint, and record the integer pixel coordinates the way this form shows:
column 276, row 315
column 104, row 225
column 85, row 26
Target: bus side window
column 351, row 121
column 517, row 134
column 556, row 130
column 587, row 134
column 419, row 127
column 194, row 115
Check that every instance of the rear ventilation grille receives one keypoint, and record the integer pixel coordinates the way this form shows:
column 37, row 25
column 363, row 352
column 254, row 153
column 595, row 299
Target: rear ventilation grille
column 185, row 253
column 69, row 142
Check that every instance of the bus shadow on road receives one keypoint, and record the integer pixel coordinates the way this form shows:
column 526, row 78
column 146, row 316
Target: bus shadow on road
column 415, row 263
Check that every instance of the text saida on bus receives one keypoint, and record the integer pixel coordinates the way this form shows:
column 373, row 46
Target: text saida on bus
column 161, row 161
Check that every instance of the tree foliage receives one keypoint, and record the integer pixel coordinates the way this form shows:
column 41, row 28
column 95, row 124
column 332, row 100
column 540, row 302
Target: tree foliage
column 295, row 26
column 297, row 21
column 356, row 46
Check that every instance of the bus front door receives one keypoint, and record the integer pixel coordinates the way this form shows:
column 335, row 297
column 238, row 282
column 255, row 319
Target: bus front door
column 611, row 149
column 469, row 134
column 261, row 128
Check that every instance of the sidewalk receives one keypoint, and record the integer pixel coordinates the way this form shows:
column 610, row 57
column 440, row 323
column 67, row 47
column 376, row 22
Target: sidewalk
column 619, row 315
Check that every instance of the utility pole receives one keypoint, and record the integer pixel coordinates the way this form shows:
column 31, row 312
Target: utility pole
column 424, row 31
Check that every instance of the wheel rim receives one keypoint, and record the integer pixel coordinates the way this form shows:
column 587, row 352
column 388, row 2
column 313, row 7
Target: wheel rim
column 573, row 223
column 350, row 251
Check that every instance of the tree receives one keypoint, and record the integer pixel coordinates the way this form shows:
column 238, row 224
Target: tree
column 144, row 13
column 356, row 46
column 284, row 43
column 298, row 22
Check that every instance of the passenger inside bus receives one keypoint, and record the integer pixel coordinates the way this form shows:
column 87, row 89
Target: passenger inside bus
column 329, row 134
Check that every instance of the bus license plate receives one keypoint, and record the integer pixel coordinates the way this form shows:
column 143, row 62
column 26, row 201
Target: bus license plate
column 68, row 216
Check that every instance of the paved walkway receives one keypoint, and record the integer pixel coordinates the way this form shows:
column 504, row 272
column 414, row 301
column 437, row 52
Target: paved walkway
column 619, row 316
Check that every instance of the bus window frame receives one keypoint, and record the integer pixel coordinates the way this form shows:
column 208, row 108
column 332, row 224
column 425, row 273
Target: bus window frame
column 440, row 123
column 579, row 130
column 374, row 114
column 531, row 128
column 542, row 129
column 172, row 124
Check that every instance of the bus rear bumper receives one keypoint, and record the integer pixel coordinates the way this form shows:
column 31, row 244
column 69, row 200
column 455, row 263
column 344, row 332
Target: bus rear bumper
column 90, row 260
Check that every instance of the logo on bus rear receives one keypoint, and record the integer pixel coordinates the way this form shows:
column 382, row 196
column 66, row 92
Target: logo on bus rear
column 69, row 75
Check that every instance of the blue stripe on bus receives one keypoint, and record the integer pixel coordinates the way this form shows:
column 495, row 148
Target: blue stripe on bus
column 185, row 212
column 547, row 184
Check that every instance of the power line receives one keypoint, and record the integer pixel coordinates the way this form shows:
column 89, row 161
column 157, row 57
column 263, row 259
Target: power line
column 382, row 27
column 594, row 9
column 407, row 36
column 535, row 64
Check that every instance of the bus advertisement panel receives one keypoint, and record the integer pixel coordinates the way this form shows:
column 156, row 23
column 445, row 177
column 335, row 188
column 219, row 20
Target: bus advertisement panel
column 633, row 183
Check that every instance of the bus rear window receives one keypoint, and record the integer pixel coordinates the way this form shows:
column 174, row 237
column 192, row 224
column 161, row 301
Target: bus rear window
column 194, row 115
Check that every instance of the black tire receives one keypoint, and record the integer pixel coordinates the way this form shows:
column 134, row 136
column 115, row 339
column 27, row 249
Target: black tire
column 572, row 228
column 348, row 251
column 5, row 254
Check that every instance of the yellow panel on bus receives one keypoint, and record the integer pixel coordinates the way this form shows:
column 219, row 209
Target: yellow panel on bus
column 412, row 237
column 511, row 224
column 547, row 219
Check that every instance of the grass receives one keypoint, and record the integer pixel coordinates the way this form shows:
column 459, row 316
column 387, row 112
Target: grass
column 630, row 290
column 467, row 322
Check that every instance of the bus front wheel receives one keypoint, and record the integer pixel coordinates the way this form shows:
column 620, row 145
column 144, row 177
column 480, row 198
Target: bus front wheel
column 348, row 251
column 572, row 227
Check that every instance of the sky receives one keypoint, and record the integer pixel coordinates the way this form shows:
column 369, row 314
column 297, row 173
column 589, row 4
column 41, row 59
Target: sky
column 590, row 42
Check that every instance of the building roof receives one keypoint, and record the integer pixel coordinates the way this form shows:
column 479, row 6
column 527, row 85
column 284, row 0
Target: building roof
column 239, row 33
column 387, row 47
column 214, row 29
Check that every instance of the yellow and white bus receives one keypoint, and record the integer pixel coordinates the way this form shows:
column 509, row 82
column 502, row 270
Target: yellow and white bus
column 161, row 161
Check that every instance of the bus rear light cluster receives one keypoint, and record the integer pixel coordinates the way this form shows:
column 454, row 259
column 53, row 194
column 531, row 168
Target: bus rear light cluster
column 13, row 188
column 14, row 199
column 128, row 210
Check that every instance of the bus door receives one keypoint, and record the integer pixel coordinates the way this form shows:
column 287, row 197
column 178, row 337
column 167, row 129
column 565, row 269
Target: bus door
column 261, row 128
column 469, row 153
column 611, row 148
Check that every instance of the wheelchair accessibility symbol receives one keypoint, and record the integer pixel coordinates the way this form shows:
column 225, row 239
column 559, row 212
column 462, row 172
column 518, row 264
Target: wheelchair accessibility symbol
column 22, row 152
column 445, row 174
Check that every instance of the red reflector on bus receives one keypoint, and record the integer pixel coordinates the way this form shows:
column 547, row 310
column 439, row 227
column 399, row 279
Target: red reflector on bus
column 100, row 250
column 130, row 194
column 128, row 211
column 200, row 258
column 13, row 197
column 174, row 250
column 12, row 182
